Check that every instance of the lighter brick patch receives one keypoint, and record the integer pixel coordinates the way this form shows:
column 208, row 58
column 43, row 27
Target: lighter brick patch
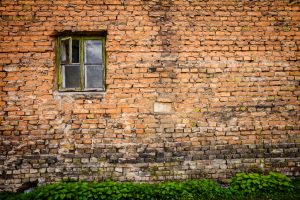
column 162, row 107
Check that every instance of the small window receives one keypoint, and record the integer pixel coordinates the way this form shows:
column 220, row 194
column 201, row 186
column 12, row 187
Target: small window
column 81, row 62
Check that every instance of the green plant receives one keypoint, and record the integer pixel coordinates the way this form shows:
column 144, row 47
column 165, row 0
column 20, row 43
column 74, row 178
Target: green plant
column 8, row 195
column 255, row 183
column 204, row 189
column 250, row 186
column 16, row 196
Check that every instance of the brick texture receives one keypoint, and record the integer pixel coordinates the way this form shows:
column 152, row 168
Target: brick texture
column 226, row 71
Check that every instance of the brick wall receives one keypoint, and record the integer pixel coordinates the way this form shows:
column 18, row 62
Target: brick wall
column 195, row 88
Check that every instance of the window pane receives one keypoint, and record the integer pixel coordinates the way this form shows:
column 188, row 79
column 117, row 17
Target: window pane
column 93, row 51
column 93, row 76
column 75, row 51
column 72, row 76
column 64, row 49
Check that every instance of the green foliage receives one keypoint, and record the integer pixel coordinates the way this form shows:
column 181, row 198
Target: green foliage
column 205, row 189
column 250, row 186
column 16, row 196
column 170, row 190
column 8, row 195
column 253, row 183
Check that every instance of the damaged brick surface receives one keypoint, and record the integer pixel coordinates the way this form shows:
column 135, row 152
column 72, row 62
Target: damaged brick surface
column 194, row 89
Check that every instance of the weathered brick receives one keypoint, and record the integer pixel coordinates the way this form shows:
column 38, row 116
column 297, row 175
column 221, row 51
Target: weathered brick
column 187, row 100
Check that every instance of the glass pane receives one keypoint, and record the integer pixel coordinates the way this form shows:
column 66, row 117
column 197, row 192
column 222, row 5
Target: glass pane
column 75, row 51
column 93, row 76
column 93, row 51
column 72, row 76
column 64, row 49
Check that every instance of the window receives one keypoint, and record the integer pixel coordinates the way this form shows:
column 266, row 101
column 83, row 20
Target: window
column 81, row 63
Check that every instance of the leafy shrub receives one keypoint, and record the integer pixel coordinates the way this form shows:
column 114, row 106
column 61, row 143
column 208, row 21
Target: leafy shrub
column 243, row 186
column 256, row 183
column 204, row 189
column 8, row 195
column 103, row 190
column 15, row 196
column 172, row 190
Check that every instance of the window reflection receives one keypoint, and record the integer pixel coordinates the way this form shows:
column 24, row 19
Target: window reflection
column 93, row 52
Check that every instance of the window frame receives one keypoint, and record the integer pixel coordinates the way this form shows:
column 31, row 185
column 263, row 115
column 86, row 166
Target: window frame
column 82, row 65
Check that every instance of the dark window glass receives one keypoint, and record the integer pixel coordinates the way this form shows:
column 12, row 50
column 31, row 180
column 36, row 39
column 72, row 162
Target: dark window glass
column 93, row 76
column 75, row 51
column 72, row 76
column 65, row 48
column 93, row 51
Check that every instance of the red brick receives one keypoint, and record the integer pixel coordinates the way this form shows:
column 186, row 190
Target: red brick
column 229, row 71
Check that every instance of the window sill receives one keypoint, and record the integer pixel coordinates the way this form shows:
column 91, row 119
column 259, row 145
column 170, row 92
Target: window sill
column 77, row 95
